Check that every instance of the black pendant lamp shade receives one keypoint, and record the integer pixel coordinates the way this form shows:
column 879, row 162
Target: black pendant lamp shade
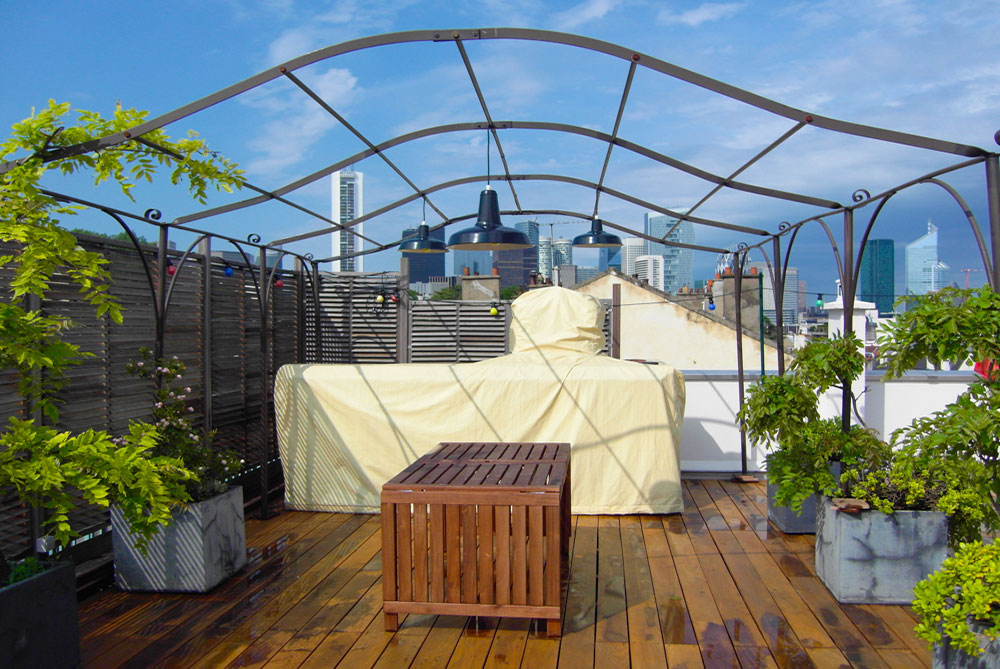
column 597, row 238
column 488, row 234
column 423, row 243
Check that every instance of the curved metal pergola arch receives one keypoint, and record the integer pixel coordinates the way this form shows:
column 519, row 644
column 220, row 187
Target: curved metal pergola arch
column 847, row 262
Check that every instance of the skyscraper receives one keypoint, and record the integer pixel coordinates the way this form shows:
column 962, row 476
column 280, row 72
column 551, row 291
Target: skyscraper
column 478, row 262
column 678, row 263
column 562, row 252
column 925, row 273
column 347, row 203
column 517, row 265
column 632, row 248
column 650, row 269
column 545, row 257
column 876, row 282
column 424, row 265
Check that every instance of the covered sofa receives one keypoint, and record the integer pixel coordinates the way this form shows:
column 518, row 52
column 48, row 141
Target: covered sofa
column 344, row 430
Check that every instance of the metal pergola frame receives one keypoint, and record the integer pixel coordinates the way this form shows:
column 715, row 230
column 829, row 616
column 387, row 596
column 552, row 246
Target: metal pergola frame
column 847, row 260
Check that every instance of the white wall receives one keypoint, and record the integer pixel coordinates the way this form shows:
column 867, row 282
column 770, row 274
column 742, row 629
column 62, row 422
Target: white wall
column 710, row 438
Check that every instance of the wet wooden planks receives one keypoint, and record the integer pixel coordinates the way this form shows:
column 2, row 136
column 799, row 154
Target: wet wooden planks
column 714, row 586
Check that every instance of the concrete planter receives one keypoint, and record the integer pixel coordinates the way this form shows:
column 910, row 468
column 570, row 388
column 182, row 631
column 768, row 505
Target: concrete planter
column 944, row 656
column 787, row 520
column 38, row 623
column 877, row 558
column 204, row 545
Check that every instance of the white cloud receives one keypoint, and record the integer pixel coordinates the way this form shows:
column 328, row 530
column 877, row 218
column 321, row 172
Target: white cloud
column 584, row 12
column 286, row 140
column 710, row 11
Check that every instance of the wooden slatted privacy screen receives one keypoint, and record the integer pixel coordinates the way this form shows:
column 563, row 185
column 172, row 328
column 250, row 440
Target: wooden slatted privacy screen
column 217, row 334
column 102, row 395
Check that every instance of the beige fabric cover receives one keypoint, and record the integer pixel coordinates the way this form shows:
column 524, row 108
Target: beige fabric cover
column 343, row 430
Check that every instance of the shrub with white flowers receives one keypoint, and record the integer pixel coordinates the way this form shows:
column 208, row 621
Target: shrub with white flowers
column 178, row 437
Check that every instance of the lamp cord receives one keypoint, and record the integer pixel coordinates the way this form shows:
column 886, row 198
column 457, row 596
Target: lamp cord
column 487, row 157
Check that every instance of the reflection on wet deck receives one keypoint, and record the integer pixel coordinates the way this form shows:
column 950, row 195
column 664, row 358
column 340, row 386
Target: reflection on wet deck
column 714, row 586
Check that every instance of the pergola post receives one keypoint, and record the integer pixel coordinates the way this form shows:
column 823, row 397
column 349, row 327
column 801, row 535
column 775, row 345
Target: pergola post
column 993, row 199
column 205, row 249
column 847, row 289
column 738, row 282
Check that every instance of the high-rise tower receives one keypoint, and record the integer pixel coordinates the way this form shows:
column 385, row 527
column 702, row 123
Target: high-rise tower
column 678, row 263
column 876, row 282
column 925, row 273
column 347, row 203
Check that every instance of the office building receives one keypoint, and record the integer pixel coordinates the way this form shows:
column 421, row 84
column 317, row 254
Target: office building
column 585, row 272
column 678, row 263
column 608, row 258
column 516, row 266
column 562, row 252
column 545, row 257
column 925, row 273
column 632, row 248
column 790, row 294
column 424, row 265
column 347, row 203
column 649, row 268
column 478, row 262
column 876, row 281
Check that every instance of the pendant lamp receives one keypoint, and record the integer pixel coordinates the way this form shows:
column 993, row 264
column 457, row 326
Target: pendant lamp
column 597, row 238
column 423, row 243
column 488, row 234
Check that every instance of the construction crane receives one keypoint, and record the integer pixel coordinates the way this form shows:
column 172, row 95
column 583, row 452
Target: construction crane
column 967, row 272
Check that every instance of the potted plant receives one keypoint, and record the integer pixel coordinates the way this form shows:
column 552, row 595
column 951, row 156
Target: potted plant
column 40, row 463
column 205, row 542
column 804, row 451
column 937, row 481
column 959, row 608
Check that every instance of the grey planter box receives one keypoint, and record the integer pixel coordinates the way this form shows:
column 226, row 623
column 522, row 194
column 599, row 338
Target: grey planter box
column 203, row 546
column 877, row 558
column 38, row 622
column 944, row 656
column 787, row 520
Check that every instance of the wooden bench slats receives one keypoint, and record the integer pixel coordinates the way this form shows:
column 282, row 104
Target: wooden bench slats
column 478, row 528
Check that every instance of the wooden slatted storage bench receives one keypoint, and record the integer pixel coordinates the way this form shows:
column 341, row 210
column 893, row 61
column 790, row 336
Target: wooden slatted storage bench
column 478, row 529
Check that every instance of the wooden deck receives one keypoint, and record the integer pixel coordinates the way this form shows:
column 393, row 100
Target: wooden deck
column 715, row 587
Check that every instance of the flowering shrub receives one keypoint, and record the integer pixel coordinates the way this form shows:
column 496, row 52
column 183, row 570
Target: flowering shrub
column 177, row 435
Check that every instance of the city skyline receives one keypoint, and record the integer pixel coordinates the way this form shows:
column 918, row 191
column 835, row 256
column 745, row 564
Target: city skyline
column 916, row 67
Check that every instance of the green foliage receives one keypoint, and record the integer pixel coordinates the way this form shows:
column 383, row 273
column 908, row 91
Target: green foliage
column 951, row 325
column 957, row 445
column 121, row 236
column 964, row 590
column 783, row 412
column 176, row 435
column 448, row 293
column 510, row 292
column 25, row 569
column 44, row 466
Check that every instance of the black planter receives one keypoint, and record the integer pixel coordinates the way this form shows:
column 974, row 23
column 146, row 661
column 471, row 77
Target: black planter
column 38, row 623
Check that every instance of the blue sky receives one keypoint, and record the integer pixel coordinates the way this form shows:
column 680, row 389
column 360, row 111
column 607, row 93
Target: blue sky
column 930, row 68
